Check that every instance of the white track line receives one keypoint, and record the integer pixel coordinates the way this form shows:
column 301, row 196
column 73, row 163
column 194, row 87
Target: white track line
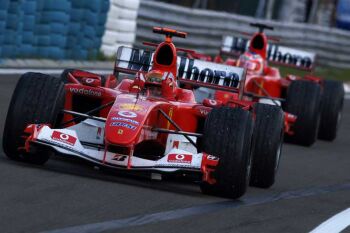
column 335, row 224
column 49, row 71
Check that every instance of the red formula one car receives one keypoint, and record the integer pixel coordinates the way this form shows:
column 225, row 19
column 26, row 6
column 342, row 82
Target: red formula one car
column 316, row 103
column 140, row 119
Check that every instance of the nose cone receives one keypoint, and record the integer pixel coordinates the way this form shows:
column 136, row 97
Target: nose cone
column 125, row 120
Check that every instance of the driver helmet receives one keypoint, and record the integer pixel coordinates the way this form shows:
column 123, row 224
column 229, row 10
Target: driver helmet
column 161, row 83
column 153, row 82
column 253, row 62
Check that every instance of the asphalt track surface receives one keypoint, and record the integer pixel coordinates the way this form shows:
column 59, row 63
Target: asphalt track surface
column 66, row 195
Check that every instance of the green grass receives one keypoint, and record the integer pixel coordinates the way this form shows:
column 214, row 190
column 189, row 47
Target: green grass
column 323, row 72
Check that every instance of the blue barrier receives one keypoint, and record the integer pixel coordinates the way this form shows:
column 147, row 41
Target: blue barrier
column 52, row 29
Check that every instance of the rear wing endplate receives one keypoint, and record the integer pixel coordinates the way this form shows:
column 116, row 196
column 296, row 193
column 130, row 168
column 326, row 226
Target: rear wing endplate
column 279, row 55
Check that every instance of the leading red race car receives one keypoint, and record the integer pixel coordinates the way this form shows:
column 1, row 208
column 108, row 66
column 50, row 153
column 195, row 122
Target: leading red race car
column 316, row 103
column 145, row 121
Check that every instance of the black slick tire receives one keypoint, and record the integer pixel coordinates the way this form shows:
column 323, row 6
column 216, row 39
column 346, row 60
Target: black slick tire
column 38, row 98
column 331, row 110
column 227, row 135
column 267, row 144
column 304, row 101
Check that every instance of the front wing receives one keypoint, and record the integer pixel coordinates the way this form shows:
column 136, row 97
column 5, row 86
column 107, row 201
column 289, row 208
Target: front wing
column 66, row 141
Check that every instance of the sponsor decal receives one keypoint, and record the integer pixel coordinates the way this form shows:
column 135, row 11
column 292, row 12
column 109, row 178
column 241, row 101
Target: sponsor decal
column 183, row 165
column 65, row 138
column 62, row 145
column 84, row 91
column 275, row 53
column 212, row 157
column 89, row 80
column 126, row 120
column 203, row 112
column 180, row 158
column 119, row 157
column 132, row 107
column 122, row 124
column 201, row 71
column 127, row 114
column 213, row 102
column 99, row 133
column 188, row 69
column 176, row 144
column 140, row 60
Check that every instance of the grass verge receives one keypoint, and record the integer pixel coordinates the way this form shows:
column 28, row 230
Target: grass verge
column 323, row 72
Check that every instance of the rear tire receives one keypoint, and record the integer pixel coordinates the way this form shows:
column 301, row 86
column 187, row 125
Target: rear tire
column 267, row 144
column 303, row 100
column 227, row 135
column 332, row 106
column 38, row 98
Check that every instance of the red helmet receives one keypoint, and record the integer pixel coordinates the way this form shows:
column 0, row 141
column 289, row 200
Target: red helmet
column 161, row 83
column 253, row 62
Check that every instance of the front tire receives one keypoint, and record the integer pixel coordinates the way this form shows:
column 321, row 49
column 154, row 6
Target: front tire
column 267, row 144
column 227, row 135
column 38, row 98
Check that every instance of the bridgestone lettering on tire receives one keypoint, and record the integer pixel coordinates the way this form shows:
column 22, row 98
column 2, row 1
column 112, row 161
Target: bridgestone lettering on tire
column 38, row 98
column 267, row 144
column 303, row 100
column 227, row 135
column 332, row 107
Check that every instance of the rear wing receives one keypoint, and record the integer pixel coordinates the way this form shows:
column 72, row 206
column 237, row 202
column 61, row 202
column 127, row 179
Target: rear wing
column 190, row 71
column 279, row 55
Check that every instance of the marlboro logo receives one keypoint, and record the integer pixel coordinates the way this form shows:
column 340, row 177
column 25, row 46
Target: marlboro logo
column 188, row 69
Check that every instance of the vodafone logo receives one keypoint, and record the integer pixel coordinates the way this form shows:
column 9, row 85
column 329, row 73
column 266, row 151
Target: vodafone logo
column 213, row 102
column 84, row 91
column 127, row 114
column 89, row 80
column 180, row 158
column 65, row 138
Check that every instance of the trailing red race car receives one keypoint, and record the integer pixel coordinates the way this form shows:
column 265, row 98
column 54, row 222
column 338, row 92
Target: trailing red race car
column 145, row 121
column 316, row 103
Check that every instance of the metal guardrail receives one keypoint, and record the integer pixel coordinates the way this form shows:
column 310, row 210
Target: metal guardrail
column 206, row 29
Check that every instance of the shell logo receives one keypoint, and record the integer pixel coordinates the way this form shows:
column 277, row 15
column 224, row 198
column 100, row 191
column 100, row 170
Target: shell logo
column 131, row 107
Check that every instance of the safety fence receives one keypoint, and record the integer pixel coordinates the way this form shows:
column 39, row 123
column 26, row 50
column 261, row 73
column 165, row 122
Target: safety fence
column 55, row 29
